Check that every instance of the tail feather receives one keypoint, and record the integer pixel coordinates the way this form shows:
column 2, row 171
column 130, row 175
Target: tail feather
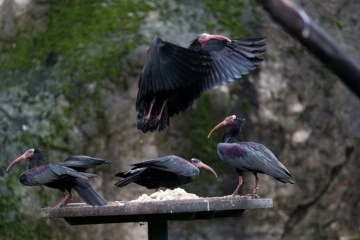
column 283, row 175
column 287, row 179
column 129, row 176
column 88, row 193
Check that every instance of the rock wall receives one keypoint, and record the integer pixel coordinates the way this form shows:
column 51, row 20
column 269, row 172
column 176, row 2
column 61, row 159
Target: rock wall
column 83, row 103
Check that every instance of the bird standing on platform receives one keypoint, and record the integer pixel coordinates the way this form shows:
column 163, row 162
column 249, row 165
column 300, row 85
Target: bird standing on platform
column 64, row 176
column 173, row 77
column 248, row 156
column 169, row 171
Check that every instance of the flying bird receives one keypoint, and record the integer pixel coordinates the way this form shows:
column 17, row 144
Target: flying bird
column 65, row 176
column 169, row 172
column 248, row 156
column 173, row 77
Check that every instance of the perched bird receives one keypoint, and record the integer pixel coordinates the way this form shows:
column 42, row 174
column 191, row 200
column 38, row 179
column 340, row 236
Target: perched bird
column 64, row 176
column 248, row 156
column 169, row 171
column 173, row 76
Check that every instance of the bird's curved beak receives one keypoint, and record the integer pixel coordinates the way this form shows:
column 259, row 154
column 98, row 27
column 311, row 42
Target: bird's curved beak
column 20, row 158
column 219, row 37
column 200, row 164
column 210, row 169
column 222, row 124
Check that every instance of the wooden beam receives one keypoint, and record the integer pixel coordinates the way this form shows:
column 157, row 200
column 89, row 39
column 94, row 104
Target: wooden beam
column 169, row 210
column 301, row 26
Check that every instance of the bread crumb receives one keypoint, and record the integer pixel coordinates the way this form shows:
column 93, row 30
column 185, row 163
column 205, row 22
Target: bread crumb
column 168, row 194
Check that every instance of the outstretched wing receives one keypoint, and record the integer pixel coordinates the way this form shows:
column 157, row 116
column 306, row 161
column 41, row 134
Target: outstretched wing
column 229, row 61
column 169, row 67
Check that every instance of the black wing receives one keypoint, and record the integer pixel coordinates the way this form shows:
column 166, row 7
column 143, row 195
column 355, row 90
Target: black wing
column 81, row 163
column 230, row 61
column 168, row 67
column 88, row 193
column 51, row 173
column 170, row 163
column 130, row 176
column 254, row 157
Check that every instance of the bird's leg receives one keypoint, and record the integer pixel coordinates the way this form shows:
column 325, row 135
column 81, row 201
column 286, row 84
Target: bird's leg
column 256, row 188
column 158, row 117
column 236, row 192
column 67, row 198
column 147, row 117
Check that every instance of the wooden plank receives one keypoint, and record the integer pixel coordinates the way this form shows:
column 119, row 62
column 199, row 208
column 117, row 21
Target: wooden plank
column 147, row 211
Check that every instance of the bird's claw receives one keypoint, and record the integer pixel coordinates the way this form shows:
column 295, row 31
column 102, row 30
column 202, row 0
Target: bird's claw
column 236, row 195
column 154, row 122
column 145, row 121
column 253, row 195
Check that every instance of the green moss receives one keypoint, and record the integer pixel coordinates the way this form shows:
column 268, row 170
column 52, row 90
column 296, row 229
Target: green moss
column 294, row 50
column 15, row 226
column 245, row 105
column 19, row 230
column 202, row 147
column 339, row 23
column 228, row 16
column 89, row 39
column 199, row 126
column 74, row 26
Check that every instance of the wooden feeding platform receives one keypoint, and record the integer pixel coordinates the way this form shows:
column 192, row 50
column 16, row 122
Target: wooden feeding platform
column 156, row 212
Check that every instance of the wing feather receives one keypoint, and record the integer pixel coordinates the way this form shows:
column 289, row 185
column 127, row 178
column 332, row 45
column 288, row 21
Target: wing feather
column 51, row 173
column 169, row 66
column 233, row 61
column 81, row 163
column 170, row 163
column 254, row 157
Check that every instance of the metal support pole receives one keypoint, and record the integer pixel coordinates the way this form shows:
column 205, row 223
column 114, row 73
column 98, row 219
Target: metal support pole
column 157, row 230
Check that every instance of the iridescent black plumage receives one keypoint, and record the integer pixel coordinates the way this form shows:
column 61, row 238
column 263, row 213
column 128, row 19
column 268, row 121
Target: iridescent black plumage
column 173, row 77
column 63, row 176
column 168, row 171
column 248, row 156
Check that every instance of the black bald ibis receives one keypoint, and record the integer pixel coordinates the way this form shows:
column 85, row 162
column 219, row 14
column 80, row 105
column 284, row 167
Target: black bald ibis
column 64, row 176
column 248, row 156
column 169, row 171
column 173, row 77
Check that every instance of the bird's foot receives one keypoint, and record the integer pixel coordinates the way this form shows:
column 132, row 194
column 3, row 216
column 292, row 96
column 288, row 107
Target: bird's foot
column 145, row 121
column 253, row 195
column 154, row 122
column 59, row 204
column 236, row 195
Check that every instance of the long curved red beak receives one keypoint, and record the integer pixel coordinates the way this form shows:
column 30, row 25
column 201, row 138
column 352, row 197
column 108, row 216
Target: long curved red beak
column 203, row 165
column 20, row 158
column 220, row 37
column 222, row 124
column 200, row 164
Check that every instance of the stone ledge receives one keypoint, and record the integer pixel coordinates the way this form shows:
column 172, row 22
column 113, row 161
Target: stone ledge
column 145, row 211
